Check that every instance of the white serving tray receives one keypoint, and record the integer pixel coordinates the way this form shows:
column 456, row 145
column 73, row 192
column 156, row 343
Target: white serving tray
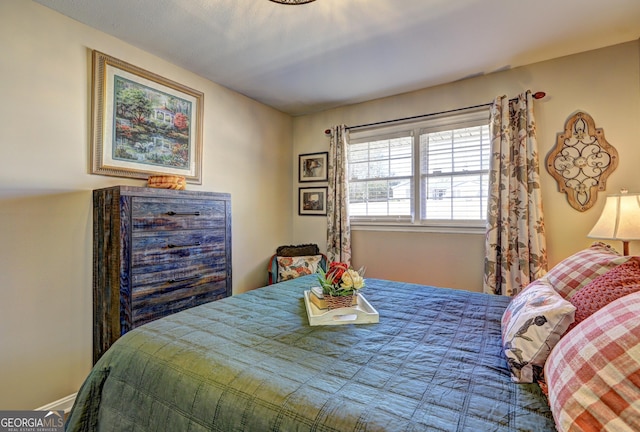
column 362, row 313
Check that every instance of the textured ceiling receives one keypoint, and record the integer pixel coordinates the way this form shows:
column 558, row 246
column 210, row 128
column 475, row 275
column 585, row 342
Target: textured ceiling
column 306, row 58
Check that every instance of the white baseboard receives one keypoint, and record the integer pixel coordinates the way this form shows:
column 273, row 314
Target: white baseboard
column 65, row 404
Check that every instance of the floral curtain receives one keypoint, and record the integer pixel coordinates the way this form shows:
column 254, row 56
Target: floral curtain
column 338, row 228
column 515, row 239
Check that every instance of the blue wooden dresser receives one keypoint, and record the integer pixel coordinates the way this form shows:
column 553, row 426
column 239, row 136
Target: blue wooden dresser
column 156, row 252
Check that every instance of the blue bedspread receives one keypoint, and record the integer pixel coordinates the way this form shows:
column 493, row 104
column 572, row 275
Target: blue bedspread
column 251, row 362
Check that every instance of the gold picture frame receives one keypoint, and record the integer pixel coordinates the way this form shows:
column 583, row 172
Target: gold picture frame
column 143, row 124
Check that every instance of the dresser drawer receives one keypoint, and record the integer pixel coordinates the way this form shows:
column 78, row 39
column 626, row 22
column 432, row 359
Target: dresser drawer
column 164, row 289
column 158, row 214
column 151, row 248
column 155, row 301
column 179, row 271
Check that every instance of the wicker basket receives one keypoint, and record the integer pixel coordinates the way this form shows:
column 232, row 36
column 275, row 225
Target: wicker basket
column 167, row 182
column 336, row 302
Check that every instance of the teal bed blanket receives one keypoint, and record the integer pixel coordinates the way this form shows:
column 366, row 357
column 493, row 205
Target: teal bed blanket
column 251, row 362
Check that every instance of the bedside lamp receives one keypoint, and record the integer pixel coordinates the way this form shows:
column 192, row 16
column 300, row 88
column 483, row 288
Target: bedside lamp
column 620, row 219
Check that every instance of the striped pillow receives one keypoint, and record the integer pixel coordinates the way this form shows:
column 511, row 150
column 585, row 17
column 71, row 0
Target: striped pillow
column 593, row 373
column 576, row 271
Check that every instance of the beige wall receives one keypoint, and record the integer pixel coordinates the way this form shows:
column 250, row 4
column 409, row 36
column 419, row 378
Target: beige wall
column 45, row 192
column 604, row 83
column 251, row 152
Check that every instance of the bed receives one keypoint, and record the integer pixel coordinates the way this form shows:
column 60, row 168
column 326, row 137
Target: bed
column 251, row 362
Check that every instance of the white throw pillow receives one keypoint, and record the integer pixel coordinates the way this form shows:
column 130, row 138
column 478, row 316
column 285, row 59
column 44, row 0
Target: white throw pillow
column 532, row 324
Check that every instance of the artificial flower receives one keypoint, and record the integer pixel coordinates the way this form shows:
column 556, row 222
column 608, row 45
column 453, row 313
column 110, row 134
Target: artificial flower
column 352, row 279
column 340, row 279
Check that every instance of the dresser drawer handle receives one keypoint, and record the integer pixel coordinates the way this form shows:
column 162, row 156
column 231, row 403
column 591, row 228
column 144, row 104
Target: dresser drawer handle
column 182, row 279
column 171, row 245
column 172, row 213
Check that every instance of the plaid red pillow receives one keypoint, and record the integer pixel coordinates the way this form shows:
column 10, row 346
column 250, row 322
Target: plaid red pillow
column 593, row 373
column 573, row 273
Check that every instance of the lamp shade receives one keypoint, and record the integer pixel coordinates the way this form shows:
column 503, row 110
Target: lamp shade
column 620, row 218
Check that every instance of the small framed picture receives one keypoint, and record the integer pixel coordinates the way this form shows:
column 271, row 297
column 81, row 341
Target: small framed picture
column 313, row 167
column 313, row 201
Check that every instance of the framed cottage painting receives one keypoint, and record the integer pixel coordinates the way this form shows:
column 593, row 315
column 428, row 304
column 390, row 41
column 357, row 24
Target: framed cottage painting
column 143, row 124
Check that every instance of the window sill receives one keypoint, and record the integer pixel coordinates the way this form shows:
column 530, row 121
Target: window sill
column 399, row 227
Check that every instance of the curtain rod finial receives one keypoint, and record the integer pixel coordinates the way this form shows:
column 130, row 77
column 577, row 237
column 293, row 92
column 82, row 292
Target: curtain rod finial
column 539, row 95
column 327, row 131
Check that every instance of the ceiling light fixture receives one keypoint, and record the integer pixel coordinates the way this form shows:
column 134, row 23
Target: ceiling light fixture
column 292, row 2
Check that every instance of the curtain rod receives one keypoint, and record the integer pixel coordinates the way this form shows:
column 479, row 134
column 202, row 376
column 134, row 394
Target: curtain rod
column 536, row 95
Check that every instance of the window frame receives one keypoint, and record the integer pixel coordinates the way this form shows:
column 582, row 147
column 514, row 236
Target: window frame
column 476, row 116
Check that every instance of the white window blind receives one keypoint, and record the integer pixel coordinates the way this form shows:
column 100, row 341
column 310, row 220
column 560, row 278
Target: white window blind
column 381, row 178
column 454, row 166
column 433, row 172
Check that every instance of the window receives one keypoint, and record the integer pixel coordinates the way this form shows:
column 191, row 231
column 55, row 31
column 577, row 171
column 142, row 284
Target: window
column 428, row 173
column 381, row 178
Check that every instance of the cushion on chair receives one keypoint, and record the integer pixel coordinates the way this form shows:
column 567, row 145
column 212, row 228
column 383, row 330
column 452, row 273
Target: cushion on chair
column 299, row 250
column 291, row 261
column 293, row 267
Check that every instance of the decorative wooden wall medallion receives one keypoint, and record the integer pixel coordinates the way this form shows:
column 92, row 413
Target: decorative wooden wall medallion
column 581, row 161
